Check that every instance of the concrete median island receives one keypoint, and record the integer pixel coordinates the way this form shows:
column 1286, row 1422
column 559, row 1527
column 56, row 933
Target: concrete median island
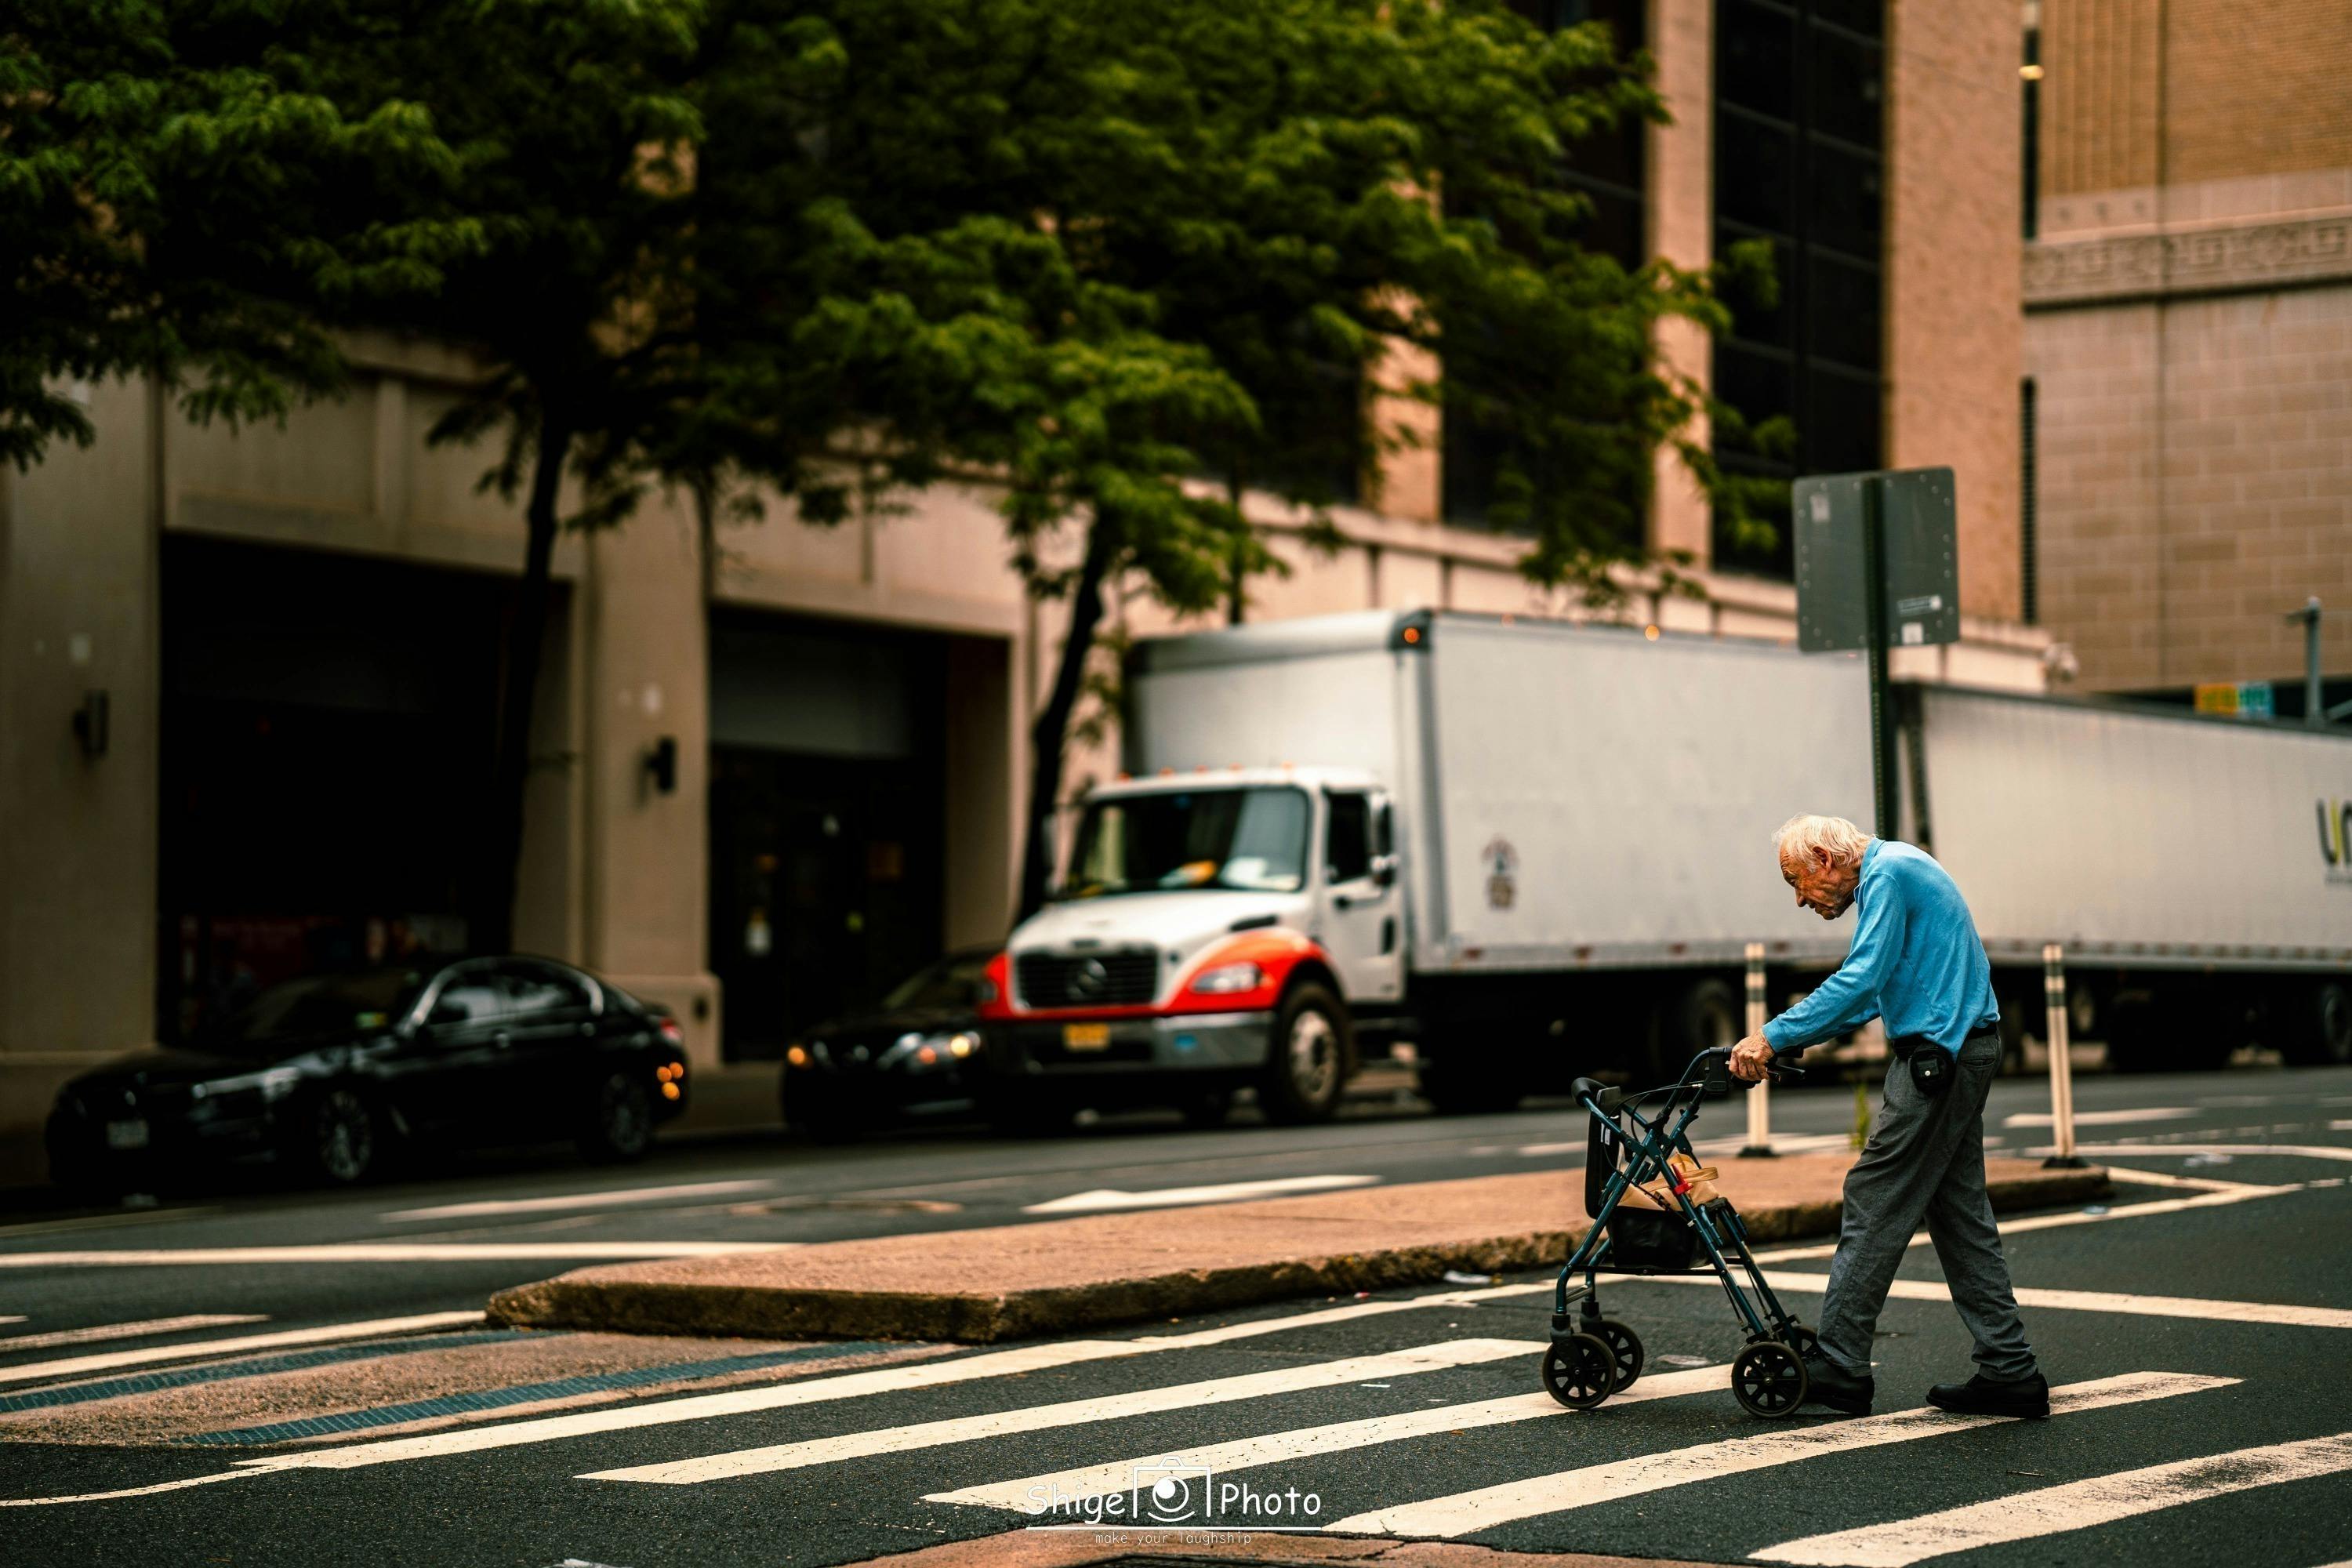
column 1014, row 1281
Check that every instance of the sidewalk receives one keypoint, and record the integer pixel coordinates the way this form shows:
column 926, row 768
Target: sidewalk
column 1014, row 1281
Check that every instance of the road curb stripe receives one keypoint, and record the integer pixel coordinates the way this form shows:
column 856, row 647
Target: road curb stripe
column 1442, row 1356
column 2076, row 1505
column 104, row 1360
column 1488, row 1507
column 522, row 1393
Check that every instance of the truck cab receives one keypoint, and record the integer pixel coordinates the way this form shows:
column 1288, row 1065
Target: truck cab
column 1216, row 929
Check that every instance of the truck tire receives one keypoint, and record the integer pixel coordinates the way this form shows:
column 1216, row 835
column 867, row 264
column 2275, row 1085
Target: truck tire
column 1462, row 1084
column 1707, row 1014
column 1306, row 1058
column 2318, row 1024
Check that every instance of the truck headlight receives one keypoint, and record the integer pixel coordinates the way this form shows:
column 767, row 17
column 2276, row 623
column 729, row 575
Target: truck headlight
column 1226, row 978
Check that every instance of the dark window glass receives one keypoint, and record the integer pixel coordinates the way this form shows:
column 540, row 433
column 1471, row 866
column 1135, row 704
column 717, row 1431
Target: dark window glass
column 471, row 998
column 1842, row 418
column 2027, row 478
column 1757, row 66
column 2033, row 77
column 1846, row 204
column 537, row 988
column 1867, row 18
column 1845, row 89
column 1756, row 172
column 321, row 1004
column 1761, row 386
column 1347, row 848
column 1845, row 312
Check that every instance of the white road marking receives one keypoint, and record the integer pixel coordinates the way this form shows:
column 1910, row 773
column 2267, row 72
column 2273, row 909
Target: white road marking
column 2340, row 1127
column 128, row 1491
column 580, row 1200
column 2299, row 1151
column 2077, row 1505
column 126, row 1330
column 1070, row 1412
column 1335, row 1438
column 1488, row 1507
column 325, row 1333
column 2209, row 1311
column 2194, row 1183
column 1102, row 1198
column 2103, row 1118
column 383, row 1252
column 2238, row 1193
column 13, row 1318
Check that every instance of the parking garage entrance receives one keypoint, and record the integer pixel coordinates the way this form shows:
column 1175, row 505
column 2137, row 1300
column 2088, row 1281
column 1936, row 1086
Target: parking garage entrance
column 827, row 817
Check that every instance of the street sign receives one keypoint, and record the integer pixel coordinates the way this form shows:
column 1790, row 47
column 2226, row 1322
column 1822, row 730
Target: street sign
column 1923, row 576
column 1878, row 564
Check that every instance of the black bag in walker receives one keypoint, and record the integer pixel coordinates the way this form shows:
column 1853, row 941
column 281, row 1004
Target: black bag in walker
column 1651, row 1238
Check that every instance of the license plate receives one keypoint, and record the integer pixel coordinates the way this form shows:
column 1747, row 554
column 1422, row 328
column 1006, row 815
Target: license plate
column 126, row 1134
column 1085, row 1036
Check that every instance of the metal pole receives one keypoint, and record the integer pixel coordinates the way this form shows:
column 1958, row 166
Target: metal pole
column 2062, row 1062
column 2314, row 703
column 1759, row 1101
column 1873, row 567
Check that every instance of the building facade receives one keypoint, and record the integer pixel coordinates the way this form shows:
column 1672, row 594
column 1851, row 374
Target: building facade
column 2188, row 338
column 294, row 632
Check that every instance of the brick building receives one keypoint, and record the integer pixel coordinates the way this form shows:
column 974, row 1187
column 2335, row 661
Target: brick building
column 2188, row 338
column 295, row 629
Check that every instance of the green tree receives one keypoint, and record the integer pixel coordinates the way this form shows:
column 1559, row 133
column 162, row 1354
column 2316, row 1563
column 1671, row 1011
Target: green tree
column 173, row 204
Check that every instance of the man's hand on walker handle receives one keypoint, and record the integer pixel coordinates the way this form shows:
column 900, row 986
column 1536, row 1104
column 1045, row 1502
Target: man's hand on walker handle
column 1752, row 1059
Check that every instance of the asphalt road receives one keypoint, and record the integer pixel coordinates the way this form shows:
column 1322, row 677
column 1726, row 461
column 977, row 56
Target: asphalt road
column 2196, row 1431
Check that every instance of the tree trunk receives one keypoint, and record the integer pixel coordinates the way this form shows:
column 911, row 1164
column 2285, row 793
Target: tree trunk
column 493, row 922
column 1052, row 723
column 1238, row 590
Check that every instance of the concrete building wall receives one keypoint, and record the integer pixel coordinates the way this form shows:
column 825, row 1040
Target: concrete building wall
column 2189, row 330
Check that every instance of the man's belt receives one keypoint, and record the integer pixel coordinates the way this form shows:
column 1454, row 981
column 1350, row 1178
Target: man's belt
column 1904, row 1045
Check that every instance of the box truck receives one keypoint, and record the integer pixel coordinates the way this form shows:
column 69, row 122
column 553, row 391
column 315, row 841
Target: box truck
column 1535, row 848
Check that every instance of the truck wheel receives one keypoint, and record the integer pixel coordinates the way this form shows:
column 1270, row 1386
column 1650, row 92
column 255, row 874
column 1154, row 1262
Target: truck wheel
column 1707, row 1015
column 2318, row 1025
column 1307, row 1060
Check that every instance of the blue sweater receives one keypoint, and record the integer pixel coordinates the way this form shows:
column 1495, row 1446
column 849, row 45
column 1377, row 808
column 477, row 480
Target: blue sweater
column 1916, row 962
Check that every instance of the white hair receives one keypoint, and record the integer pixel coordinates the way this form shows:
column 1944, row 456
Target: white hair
column 1801, row 835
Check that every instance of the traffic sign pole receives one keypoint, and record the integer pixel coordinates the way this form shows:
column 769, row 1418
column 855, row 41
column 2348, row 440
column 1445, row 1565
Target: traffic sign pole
column 1873, row 567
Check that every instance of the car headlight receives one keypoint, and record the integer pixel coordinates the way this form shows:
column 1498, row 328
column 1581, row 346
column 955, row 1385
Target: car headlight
column 1228, row 977
column 962, row 1044
column 272, row 1084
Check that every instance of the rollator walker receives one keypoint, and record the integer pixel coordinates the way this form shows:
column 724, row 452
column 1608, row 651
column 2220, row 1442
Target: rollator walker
column 1593, row 1356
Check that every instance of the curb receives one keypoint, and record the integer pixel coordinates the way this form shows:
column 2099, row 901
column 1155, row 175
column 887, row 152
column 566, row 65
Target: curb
column 652, row 1299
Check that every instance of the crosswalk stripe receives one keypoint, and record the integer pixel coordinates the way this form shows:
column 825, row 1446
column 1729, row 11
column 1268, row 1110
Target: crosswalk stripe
column 325, row 1333
column 2239, row 1193
column 1070, row 1412
column 1486, row 1507
column 2299, row 1151
column 2102, row 1118
column 1335, row 1437
column 596, row 1200
column 2137, row 1306
column 2076, row 1505
column 127, row 1330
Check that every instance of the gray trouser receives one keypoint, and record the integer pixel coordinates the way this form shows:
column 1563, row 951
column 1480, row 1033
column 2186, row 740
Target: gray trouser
column 1925, row 1161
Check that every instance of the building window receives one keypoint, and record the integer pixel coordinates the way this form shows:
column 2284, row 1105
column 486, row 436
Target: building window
column 2030, row 73
column 2029, row 584
column 1800, row 127
column 1609, row 169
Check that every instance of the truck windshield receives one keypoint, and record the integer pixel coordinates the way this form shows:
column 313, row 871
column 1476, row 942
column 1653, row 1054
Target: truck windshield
column 1246, row 839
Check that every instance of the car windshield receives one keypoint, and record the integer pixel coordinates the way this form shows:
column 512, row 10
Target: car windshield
column 1246, row 839
column 319, row 1005
column 952, row 982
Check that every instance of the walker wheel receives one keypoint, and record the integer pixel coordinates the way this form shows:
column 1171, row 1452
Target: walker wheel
column 1579, row 1371
column 1800, row 1339
column 1769, row 1380
column 1625, row 1346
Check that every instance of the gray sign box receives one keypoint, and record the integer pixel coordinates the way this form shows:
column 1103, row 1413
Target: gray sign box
column 1923, row 572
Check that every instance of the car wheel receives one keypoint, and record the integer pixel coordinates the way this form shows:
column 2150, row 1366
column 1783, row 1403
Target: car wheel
column 1307, row 1060
column 339, row 1136
column 621, row 1125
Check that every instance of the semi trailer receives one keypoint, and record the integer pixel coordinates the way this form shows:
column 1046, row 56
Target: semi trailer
column 1534, row 850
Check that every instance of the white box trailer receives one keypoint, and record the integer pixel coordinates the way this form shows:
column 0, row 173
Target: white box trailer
column 1535, row 848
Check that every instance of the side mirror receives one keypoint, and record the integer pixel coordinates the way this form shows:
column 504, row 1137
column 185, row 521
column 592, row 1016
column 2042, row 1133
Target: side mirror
column 1384, row 870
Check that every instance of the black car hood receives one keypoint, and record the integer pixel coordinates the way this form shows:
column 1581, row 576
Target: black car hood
column 887, row 1026
column 186, row 1065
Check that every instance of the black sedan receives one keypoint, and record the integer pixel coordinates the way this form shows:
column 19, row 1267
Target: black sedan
column 329, row 1074
column 918, row 1053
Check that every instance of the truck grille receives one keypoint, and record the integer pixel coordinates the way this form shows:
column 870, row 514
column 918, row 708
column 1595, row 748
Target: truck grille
column 1121, row 979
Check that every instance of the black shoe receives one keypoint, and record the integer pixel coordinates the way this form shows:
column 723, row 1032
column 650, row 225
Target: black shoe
column 1828, row 1384
column 1981, row 1396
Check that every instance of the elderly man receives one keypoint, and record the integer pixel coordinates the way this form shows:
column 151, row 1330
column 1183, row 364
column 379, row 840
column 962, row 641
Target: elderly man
column 1916, row 963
